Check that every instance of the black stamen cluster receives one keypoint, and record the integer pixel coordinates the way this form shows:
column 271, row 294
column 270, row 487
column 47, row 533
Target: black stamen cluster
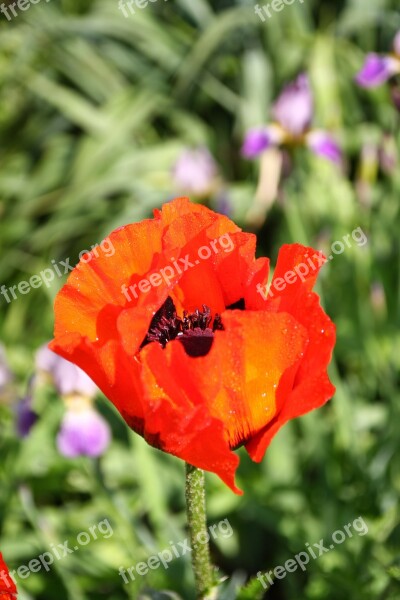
column 167, row 326
column 195, row 331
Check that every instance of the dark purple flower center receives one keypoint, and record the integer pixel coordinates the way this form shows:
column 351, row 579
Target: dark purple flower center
column 195, row 331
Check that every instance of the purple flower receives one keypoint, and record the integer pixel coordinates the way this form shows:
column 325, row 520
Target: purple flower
column 26, row 417
column 256, row 141
column 323, row 144
column 376, row 70
column 195, row 172
column 294, row 107
column 293, row 112
column 67, row 378
column 259, row 139
column 83, row 432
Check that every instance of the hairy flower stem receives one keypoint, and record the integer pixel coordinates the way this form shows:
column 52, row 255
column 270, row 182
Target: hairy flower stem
column 196, row 515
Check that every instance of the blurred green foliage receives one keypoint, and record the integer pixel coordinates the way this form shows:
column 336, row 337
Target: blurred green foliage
column 94, row 110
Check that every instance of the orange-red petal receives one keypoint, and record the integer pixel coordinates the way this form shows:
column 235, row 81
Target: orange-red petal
column 8, row 590
column 234, row 385
column 311, row 385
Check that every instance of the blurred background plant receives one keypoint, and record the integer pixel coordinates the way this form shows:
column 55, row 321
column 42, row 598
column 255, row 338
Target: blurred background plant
column 97, row 114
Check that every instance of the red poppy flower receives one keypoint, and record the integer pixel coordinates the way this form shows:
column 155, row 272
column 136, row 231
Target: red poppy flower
column 174, row 331
column 8, row 591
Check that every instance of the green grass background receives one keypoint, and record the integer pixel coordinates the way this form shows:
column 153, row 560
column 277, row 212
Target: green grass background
column 94, row 110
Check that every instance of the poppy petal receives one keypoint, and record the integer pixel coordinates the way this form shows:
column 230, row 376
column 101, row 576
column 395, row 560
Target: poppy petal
column 297, row 299
column 311, row 387
column 8, row 591
column 176, row 420
column 115, row 372
column 233, row 385
column 315, row 393
column 96, row 282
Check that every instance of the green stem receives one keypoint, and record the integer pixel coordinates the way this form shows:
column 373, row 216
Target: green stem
column 196, row 515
